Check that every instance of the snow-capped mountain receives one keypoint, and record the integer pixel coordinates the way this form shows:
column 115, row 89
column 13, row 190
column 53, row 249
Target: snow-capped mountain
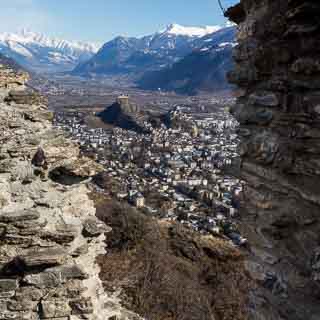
column 178, row 30
column 135, row 56
column 204, row 69
column 37, row 52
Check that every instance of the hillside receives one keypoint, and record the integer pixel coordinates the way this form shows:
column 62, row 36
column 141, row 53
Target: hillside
column 166, row 271
column 202, row 70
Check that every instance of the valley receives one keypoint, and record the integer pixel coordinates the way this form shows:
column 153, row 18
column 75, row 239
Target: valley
column 158, row 153
column 165, row 154
column 160, row 175
column 174, row 59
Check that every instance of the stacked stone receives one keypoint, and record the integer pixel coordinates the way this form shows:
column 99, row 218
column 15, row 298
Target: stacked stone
column 50, row 237
column 10, row 78
column 25, row 97
column 278, row 68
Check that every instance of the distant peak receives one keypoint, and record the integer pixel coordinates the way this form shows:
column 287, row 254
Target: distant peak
column 122, row 38
column 26, row 36
column 179, row 30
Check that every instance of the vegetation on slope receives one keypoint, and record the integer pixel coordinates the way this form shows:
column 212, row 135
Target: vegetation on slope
column 169, row 272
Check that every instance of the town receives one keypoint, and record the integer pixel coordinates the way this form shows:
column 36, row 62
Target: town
column 176, row 171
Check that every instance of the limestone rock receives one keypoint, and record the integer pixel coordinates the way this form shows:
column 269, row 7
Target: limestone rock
column 24, row 97
column 48, row 269
column 53, row 277
column 15, row 216
column 93, row 227
column 55, row 309
column 44, row 257
column 8, row 285
column 81, row 306
column 83, row 167
column 63, row 234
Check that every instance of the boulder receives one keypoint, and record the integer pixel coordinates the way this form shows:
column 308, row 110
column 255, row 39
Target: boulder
column 8, row 285
column 83, row 167
column 264, row 98
column 15, row 216
column 44, row 257
column 93, row 227
column 63, row 234
column 81, row 306
column 54, row 309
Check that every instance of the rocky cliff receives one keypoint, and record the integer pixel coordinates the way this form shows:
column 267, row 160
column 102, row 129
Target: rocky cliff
column 123, row 114
column 278, row 68
column 49, row 235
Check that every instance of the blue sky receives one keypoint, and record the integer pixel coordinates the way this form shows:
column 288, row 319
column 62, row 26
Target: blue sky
column 101, row 20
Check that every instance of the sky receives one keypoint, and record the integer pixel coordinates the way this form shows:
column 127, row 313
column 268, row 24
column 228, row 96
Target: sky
column 101, row 20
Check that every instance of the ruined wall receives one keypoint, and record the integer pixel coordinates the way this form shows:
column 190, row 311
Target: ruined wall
column 278, row 68
column 49, row 235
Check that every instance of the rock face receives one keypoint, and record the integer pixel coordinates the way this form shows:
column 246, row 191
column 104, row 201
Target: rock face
column 11, row 74
column 50, row 236
column 277, row 66
column 123, row 114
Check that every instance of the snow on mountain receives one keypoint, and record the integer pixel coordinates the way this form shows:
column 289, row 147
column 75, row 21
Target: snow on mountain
column 37, row 52
column 203, row 69
column 179, row 30
column 134, row 57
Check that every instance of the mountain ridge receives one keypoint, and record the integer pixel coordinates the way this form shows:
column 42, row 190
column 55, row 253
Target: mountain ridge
column 177, row 29
column 38, row 52
column 204, row 69
column 137, row 57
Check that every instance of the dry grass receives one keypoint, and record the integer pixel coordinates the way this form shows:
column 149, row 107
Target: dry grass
column 171, row 273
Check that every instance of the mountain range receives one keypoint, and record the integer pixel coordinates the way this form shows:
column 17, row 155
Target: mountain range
column 178, row 58
column 136, row 56
column 181, row 59
column 39, row 53
column 204, row 69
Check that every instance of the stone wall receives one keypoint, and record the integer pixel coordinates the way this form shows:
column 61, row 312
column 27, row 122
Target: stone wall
column 49, row 235
column 278, row 68
column 10, row 76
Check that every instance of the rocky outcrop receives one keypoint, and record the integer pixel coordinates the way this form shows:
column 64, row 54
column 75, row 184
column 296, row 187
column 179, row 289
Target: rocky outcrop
column 277, row 66
column 11, row 75
column 123, row 114
column 25, row 97
column 49, row 235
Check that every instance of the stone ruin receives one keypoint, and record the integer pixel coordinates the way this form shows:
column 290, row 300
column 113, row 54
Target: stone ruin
column 278, row 69
column 50, row 237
